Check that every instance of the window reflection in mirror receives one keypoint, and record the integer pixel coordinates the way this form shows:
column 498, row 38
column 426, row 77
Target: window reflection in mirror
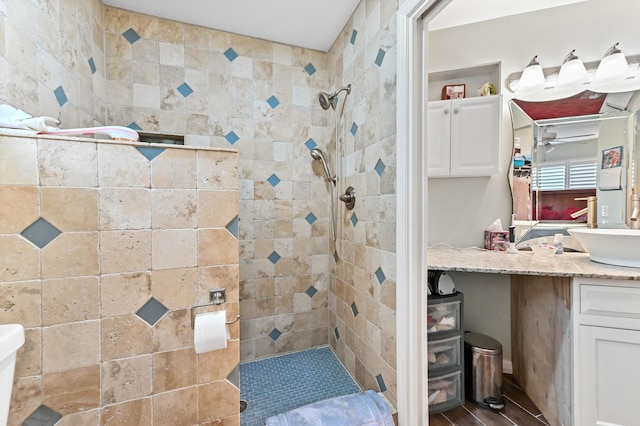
column 558, row 159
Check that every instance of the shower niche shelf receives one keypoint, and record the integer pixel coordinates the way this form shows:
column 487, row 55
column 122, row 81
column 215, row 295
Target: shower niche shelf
column 445, row 355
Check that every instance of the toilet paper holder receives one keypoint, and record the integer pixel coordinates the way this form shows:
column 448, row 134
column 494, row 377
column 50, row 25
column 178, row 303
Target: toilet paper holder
column 217, row 296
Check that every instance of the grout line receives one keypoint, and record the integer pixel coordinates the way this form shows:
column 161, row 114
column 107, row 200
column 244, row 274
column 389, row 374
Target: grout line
column 541, row 421
column 524, row 409
column 483, row 423
column 503, row 415
column 447, row 418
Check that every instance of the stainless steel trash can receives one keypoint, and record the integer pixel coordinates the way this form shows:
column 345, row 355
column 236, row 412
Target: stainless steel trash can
column 483, row 370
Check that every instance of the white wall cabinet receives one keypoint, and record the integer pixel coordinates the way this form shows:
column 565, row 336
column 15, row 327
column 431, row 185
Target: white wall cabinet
column 606, row 352
column 463, row 137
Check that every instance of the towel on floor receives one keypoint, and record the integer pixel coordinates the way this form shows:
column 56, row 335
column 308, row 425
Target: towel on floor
column 359, row 409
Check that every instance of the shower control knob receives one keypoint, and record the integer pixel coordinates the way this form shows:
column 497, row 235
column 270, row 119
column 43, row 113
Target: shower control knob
column 349, row 198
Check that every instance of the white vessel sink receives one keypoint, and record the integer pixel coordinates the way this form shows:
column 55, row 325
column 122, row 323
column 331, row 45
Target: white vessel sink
column 620, row 247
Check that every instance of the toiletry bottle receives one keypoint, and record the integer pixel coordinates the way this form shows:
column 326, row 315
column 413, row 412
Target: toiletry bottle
column 558, row 243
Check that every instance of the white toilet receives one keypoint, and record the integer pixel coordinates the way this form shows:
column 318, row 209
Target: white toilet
column 11, row 338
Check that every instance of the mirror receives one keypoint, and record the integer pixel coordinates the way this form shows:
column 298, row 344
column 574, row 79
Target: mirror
column 567, row 150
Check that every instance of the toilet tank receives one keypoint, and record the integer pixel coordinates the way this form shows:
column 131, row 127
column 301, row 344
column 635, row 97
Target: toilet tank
column 11, row 338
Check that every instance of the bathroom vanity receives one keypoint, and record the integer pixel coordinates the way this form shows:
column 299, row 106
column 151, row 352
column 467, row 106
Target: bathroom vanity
column 575, row 331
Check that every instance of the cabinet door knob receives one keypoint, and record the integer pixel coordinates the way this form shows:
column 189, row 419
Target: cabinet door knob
column 456, row 110
column 446, row 110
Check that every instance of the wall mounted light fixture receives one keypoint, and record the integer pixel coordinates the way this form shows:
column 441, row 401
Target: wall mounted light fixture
column 572, row 72
column 532, row 77
column 613, row 65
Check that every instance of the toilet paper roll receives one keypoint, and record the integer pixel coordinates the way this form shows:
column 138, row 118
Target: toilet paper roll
column 211, row 331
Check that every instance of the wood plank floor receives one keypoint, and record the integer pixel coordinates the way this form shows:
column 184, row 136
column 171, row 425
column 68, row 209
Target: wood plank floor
column 518, row 410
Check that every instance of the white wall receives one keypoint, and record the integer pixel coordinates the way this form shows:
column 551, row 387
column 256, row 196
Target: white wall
column 460, row 209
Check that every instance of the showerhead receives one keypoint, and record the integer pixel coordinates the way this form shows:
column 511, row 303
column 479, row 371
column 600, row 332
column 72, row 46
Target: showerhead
column 326, row 100
column 317, row 155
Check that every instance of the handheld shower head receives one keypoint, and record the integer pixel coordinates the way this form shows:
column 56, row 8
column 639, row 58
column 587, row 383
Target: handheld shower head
column 326, row 100
column 317, row 155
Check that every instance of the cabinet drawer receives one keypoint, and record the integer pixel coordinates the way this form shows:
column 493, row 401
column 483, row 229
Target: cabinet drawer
column 443, row 317
column 610, row 301
column 445, row 392
column 444, row 352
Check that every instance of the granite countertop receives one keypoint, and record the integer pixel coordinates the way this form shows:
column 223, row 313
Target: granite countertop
column 474, row 259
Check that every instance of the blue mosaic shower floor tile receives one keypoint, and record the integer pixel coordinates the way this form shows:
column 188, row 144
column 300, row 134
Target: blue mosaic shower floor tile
column 279, row 384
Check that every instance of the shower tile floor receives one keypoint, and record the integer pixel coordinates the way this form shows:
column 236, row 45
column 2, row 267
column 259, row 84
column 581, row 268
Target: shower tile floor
column 281, row 383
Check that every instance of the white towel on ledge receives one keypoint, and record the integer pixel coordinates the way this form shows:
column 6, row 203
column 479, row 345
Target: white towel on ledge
column 13, row 118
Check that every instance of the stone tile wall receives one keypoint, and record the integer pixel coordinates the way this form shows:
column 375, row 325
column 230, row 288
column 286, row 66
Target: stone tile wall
column 127, row 239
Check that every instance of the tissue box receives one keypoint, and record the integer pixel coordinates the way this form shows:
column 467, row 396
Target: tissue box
column 496, row 240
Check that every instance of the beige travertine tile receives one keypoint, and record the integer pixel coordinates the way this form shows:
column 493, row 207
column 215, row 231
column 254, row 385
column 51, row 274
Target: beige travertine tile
column 216, row 208
column 122, row 166
column 174, row 208
column 217, row 170
column 26, row 396
column 20, row 207
column 70, row 299
column 18, row 161
column 20, row 303
column 217, row 400
column 136, row 412
column 217, row 365
column 173, row 331
column 125, row 208
column 66, row 163
column 174, row 370
column 123, row 294
column 20, row 259
column 126, row 379
column 125, row 336
column 176, row 407
column 72, row 391
column 125, row 251
column 70, row 345
column 71, row 209
column 175, row 288
column 28, row 357
column 218, row 277
column 71, row 254
column 175, row 168
column 217, row 247
column 174, row 248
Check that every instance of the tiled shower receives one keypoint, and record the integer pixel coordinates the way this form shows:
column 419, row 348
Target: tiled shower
column 92, row 65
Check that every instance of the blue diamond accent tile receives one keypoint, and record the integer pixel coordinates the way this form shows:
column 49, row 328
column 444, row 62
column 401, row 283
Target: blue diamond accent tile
column 380, row 166
column 131, row 35
column 275, row 334
column 311, row 218
column 380, row 275
column 354, row 129
column 337, row 333
column 61, row 97
column 185, row 90
column 40, row 232
column 380, row 57
column 274, row 180
column 281, row 383
column 335, row 256
column 310, row 143
column 152, row 311
column 273, row 102
column 234, row 377
column 354, row 34
column 150, row 153
column 233, row 226
column 232, row 138
column 310, row 69
column 134, row 126
column 274, row 257
column 42, row 416
column 230, row 54
column 354, row 220
column 311, row 291
column 354, row 309
column 381, row 385
column 92, row 66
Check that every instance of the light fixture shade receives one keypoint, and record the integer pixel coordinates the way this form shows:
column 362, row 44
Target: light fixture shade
column 572, row 72
column 613, row 66
column 532, row 78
